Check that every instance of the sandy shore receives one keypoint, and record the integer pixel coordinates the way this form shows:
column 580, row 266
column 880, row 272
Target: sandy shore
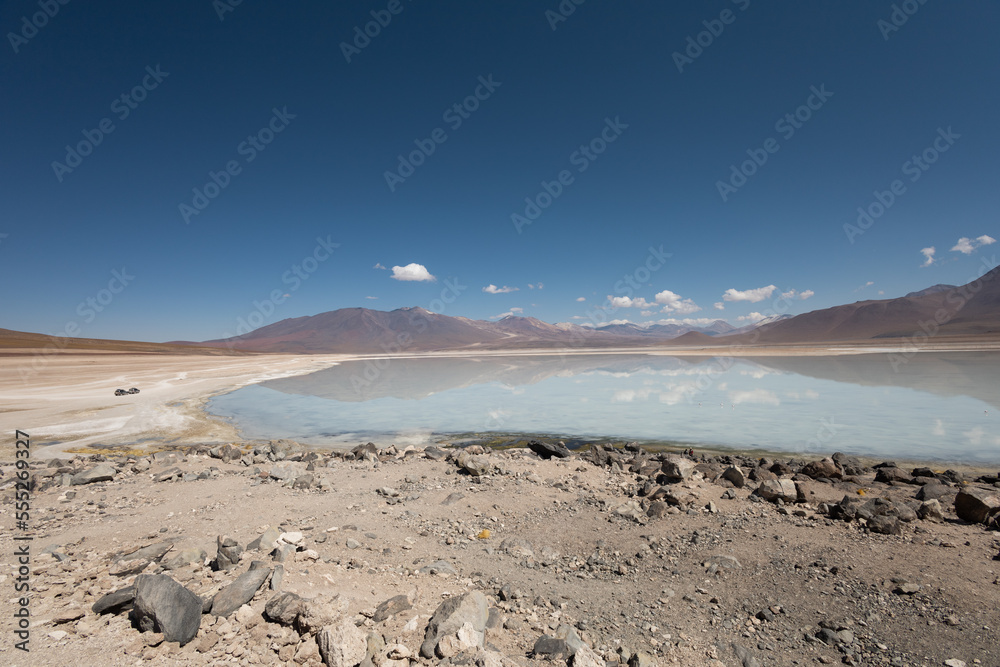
column 69, row 399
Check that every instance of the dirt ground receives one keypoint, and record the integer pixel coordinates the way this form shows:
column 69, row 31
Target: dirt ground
column 715, row 580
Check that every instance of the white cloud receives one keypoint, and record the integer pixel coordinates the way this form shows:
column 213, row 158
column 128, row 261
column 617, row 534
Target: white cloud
column 753, row 317
column 938, row 428
column 538, row 286
column 517, row 309
column 645, row 313
column 371, row 297
column 794, row 294
column 805, row 294
column 501, row 316
column 718, row 305
column 674, row 303
column 581, row 298
column 866, row 285
column 412, row 272
column 628, row 302
column 966, row 245
column 620, row 322
column 928, row 253
column 493, row 289
column 378, row 265
column 751, row 295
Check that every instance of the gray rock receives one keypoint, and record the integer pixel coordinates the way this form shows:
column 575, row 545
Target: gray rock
column 931, row 510
column 474, row 464
column 342, row 644
column 885, row 524
column 976, row 505
column 823, row 469
column 265, row 542
column 228, row 553
column 163, row 605
column 391, row 607
column 551, row 648
column 452, row 498
column 677, row 468
column 227, row 453
column 736, row 476
column 277, row 576
column 284, row 608
column 284, row 471
column 238, row 593
column 777, row 489
column 114, row 602
column 167, row 475
column 548, row 450
column 99, row 473
column 657, row 509
column 451, row 615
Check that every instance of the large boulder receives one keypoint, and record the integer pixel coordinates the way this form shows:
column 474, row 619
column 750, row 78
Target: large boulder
column 449, row 618
column 774, row 490
column 677, row 468
column 240, row 592
column 476, row 465
column 977, row 505
column 823, row 469
column 735, row 476
column 99, row 473
column 163, row 605
column 342, row 644
column 548, row 450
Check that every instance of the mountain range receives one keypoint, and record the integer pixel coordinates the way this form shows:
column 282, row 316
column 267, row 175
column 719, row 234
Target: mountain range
column 968, row 312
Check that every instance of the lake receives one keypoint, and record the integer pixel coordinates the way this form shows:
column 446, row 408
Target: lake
column 942, row 406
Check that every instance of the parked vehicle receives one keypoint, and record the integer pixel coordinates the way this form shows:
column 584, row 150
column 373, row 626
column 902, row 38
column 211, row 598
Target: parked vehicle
column 133, row 390
column 120, row 392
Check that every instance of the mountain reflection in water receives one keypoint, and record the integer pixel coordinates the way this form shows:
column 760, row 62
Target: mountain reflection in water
column 930, row 406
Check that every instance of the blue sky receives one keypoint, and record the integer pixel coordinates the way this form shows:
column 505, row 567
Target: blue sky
column 613, row 120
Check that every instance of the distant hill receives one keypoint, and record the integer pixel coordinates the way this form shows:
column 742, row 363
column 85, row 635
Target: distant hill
column 967, row 310
column 933, row 289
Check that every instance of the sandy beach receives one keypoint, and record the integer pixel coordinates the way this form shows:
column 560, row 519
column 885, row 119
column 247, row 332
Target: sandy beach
column 69, row 399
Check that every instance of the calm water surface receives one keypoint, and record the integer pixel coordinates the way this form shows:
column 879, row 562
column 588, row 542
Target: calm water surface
column 932, row 407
